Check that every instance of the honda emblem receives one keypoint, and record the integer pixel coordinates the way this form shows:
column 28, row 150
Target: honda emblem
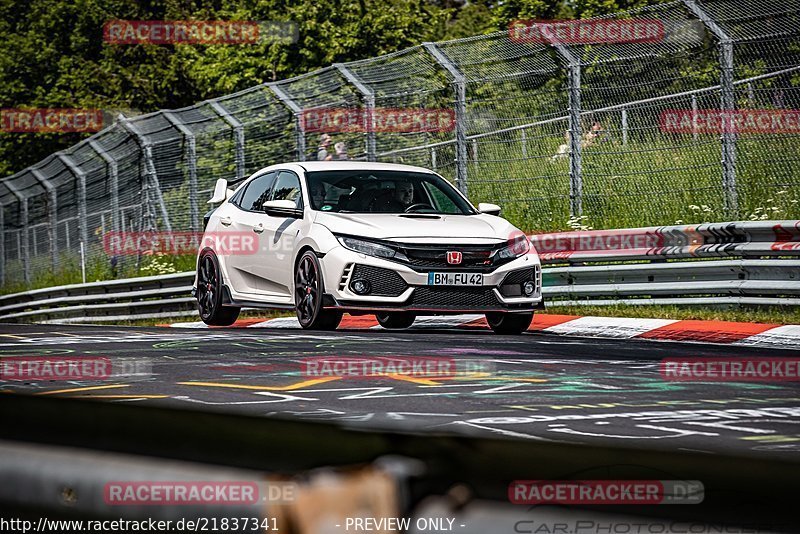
column 453, row 257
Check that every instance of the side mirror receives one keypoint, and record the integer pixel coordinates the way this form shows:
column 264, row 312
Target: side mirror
column 282, row 208
column 489, row 209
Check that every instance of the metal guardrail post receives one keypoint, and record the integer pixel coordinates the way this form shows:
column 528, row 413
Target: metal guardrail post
column 369, row 100
column 575, row 134
column 727, row 104
column 117, row 223
column 238, row 136
column 459, row 80
column 300, row 134
column 25, row 245
column 80, row 176
column 150, row 175
column 191, row 153
column 52, row 215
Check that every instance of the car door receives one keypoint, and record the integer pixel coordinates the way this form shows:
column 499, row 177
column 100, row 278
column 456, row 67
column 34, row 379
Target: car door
column 247, row 220
column 280, row 235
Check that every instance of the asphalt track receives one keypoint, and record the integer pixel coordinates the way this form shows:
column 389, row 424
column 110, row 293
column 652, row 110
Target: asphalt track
column 535, row 386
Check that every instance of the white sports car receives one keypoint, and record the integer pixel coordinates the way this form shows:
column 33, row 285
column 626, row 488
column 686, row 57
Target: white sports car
column 391, row 240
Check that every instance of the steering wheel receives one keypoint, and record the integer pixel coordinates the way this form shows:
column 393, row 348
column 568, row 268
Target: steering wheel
column 412, row 207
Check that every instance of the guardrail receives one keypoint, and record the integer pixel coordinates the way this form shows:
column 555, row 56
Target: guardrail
column 735, row 263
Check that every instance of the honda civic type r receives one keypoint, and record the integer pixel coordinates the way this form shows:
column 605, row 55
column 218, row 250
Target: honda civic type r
column 391, row 240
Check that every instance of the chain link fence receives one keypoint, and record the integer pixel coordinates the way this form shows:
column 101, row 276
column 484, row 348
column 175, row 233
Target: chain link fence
column 560, row 133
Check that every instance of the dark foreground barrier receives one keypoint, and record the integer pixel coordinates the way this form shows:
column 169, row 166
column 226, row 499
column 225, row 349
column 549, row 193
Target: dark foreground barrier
column 66, row 458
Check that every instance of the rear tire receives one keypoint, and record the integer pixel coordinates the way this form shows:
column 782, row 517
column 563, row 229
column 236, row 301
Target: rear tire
column 509, row 323
column 209, row 293
column 394, row 320
column 308, row 291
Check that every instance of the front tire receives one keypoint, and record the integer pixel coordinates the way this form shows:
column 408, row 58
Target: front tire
column 395, row 319
column 209, row 293
column 308, row 291
column 509, row 323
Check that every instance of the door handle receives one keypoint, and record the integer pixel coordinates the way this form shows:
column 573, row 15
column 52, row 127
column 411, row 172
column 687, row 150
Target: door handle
column 226, row 221
column 258, row 228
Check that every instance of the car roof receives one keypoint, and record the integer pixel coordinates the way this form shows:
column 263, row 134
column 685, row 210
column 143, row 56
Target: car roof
column 314, row 166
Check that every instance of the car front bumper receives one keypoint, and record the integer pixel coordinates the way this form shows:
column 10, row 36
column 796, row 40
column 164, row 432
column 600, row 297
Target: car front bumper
column 399, row 287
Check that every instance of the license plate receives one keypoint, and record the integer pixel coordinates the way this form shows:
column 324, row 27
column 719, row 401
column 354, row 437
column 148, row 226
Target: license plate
column 455, row 279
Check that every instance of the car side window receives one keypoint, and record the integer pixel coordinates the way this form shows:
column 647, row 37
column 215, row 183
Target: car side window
column 257, row 192
column 236, row 199
column 287, row 187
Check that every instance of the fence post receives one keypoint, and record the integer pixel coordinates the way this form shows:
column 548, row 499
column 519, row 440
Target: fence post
column 433, row 158
column 191, row 154
column 238, row 136
column 524, row 141
column 575, row 134
column 300, row 134
column 369, row 100
column 150, row 175
column 52, row 229
column 83, row 223
column 459, row 80
column 727, row 103
column 116, row 222
column 26, row 258
column 694, row 119
column 624, row 126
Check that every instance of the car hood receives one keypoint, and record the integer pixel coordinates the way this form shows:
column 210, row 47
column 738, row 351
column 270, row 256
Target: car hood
column 480, row 228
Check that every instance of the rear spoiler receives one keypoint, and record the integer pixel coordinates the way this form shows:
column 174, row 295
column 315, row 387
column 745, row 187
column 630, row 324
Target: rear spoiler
column 221, row 192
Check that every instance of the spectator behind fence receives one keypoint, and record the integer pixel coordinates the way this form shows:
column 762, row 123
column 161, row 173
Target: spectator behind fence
column 322, row 151
column 563, row 150
column 597, row 134
column 341, row 151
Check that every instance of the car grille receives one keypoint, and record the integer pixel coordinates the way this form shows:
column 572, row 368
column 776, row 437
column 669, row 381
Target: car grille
column 474, row 258
column 385, row 282
column 454, row 298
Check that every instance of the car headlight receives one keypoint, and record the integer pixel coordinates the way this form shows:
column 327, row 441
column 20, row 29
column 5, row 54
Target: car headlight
column 371, row 248
column 516, row 247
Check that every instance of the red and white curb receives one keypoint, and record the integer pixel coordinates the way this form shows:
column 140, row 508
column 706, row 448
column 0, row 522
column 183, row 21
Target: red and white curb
column 753, row 334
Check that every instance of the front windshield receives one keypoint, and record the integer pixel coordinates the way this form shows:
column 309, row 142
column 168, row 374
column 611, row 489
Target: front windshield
column 371, row 191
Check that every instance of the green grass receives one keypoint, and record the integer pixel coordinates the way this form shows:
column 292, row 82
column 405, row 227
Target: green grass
column 648, row 182
column 98, row 269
